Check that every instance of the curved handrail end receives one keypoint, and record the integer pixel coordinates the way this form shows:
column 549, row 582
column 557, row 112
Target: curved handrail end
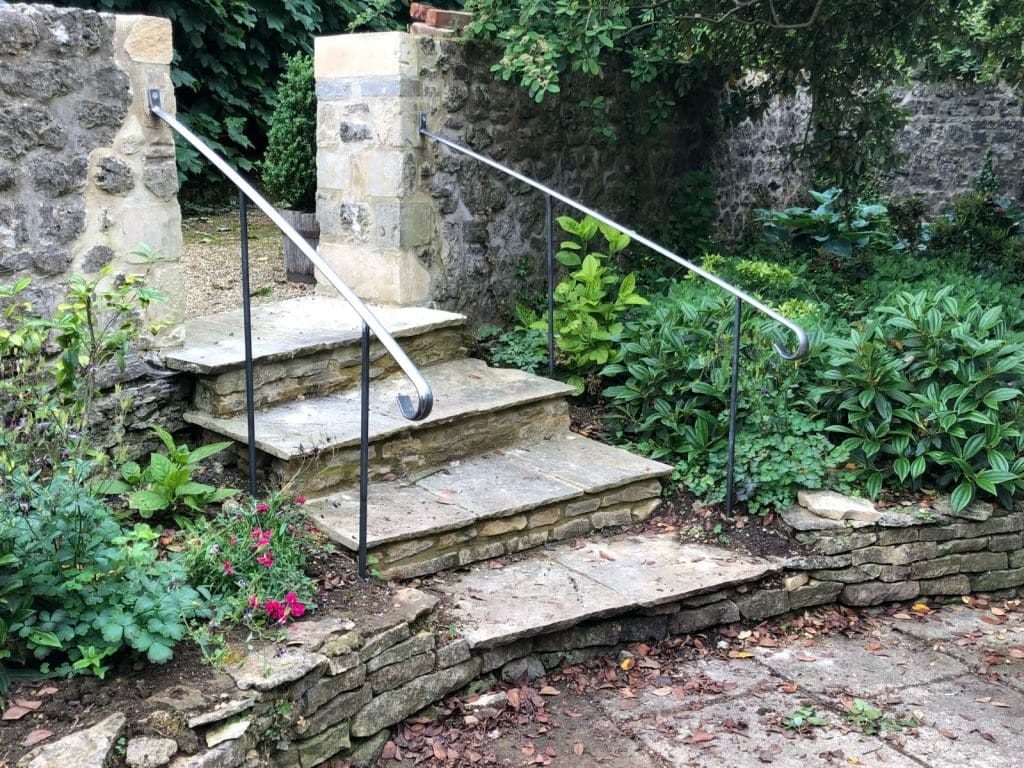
column 423, row 122
column 802, row 344
column 422, row 408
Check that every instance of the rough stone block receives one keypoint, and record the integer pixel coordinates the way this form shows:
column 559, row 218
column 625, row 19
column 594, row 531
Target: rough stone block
column 477, row 552
column 1017, row 559
column 393, row 706
column 900, row 554
column 581, row 507
column 836, row 506
column 940, row 566
column 634, row 492
column 891, row 536
column 492, row 658
column 814, row 593
column 603, row 633
column 886, row 573
column 341, row 645
column 762, row 603
column 333, row 711
column 148, row 40
column 452, row 654
column 983, row 561
column 959, row 546
column 641, row 510
column 690, row 620
column 328, row 687
column 380, row 53
column 379, row 643
column 850, row 575
column 386, row 678
column 957, row 584
column 1005, row 542
column 322, row 747
column 873, row 593
column 834, row 544
column 606, row 518
column 529, row 668
column 548, row 516
column 414, row 646
column 996, row 580
column 940, row 533
column 502, row 525
column 571, row 529
column 525, row 541
column 643, row 628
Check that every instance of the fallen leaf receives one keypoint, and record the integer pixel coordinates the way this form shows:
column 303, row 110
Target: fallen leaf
column 35, row 737
column 528, row 749
column 920, row 607
column 627, row 693
column 699, row 736
column 788, row 688
column 1001, row 704
column 1017, row 653
column 48, row 691
column 16, row 713
column 740, row 654
column 606, row 555
column 440, row 752
column 547, row 690
column 570, row 713
column 627, row 663
column 902, row 616
column 948, row 734
column 984, row 699
column 663, row 691
column 577, row 749
column 806, row 657
column 389, row 751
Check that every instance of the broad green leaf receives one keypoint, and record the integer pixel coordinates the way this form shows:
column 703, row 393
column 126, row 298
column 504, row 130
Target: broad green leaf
column 962, row 495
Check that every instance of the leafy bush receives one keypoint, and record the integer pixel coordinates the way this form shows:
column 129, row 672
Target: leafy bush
column 250, row 559
column 591, row 301
column 167, row 485
column 76, row 583
column 928, row 390
column 521, row 347
column 289, row 165
column 672, row 402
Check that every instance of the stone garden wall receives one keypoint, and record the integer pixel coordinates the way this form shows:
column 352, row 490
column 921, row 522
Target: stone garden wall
column 951, row 126
column 405, row 220
column 86, row 176
column 333, row 688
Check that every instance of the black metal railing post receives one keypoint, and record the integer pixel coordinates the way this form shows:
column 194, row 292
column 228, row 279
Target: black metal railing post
column 734, row 393
column 549, row 235
column 250, row 397
column 364, row 446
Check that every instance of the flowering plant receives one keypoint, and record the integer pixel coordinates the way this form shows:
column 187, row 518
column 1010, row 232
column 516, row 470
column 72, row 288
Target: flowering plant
column 251, row 559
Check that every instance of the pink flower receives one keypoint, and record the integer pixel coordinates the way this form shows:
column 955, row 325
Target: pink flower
column 275, row 610
column 233, row 539
column 300, row 499
column 262, row 508
column 254, row 602
column 295, row 606
column 262, row 536
column 228, row 569
column 267, row 559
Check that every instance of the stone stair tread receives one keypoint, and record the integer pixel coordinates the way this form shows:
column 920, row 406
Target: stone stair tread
column 290, row 328
column 564, row 585
column 462, row 388
column 497, row 484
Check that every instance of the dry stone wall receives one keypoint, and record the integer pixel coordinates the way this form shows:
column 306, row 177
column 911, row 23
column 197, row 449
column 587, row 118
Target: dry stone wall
column 950, row 128
column 333, row 688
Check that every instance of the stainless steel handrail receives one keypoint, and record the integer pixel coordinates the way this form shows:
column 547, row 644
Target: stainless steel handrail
column 800, row 333
column 425, row 396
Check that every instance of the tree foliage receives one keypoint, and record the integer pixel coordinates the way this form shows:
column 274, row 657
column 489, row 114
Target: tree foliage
column 228, row 55
column 845, row 52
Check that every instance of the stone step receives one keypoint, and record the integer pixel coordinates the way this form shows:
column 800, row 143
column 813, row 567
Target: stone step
column 495, row 504
column 304, row 346
column 314, row 442
column 562, row 586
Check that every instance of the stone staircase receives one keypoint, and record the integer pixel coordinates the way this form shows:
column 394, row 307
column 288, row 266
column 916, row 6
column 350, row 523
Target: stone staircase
column 493, row 470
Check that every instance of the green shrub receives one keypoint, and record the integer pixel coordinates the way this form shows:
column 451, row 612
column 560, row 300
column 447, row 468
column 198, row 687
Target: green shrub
column 167, row 484
column 521, row 347
column 673, row 400
column 928, row 390
column 76, row 584
column 591, row 301
column 289, row 166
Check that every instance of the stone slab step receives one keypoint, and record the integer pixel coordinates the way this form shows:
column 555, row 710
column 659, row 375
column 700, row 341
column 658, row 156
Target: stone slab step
column 476, row 408
column 303, row 346
column 499, row 503
column 565, row 585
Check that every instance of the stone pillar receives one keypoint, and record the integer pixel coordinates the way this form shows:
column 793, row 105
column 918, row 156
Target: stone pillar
column 376, row 230
column 86, row 177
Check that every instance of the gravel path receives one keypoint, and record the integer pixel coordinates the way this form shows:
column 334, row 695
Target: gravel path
column 212, row 264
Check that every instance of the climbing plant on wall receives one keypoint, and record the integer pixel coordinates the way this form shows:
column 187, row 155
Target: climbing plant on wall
column 846, row 54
